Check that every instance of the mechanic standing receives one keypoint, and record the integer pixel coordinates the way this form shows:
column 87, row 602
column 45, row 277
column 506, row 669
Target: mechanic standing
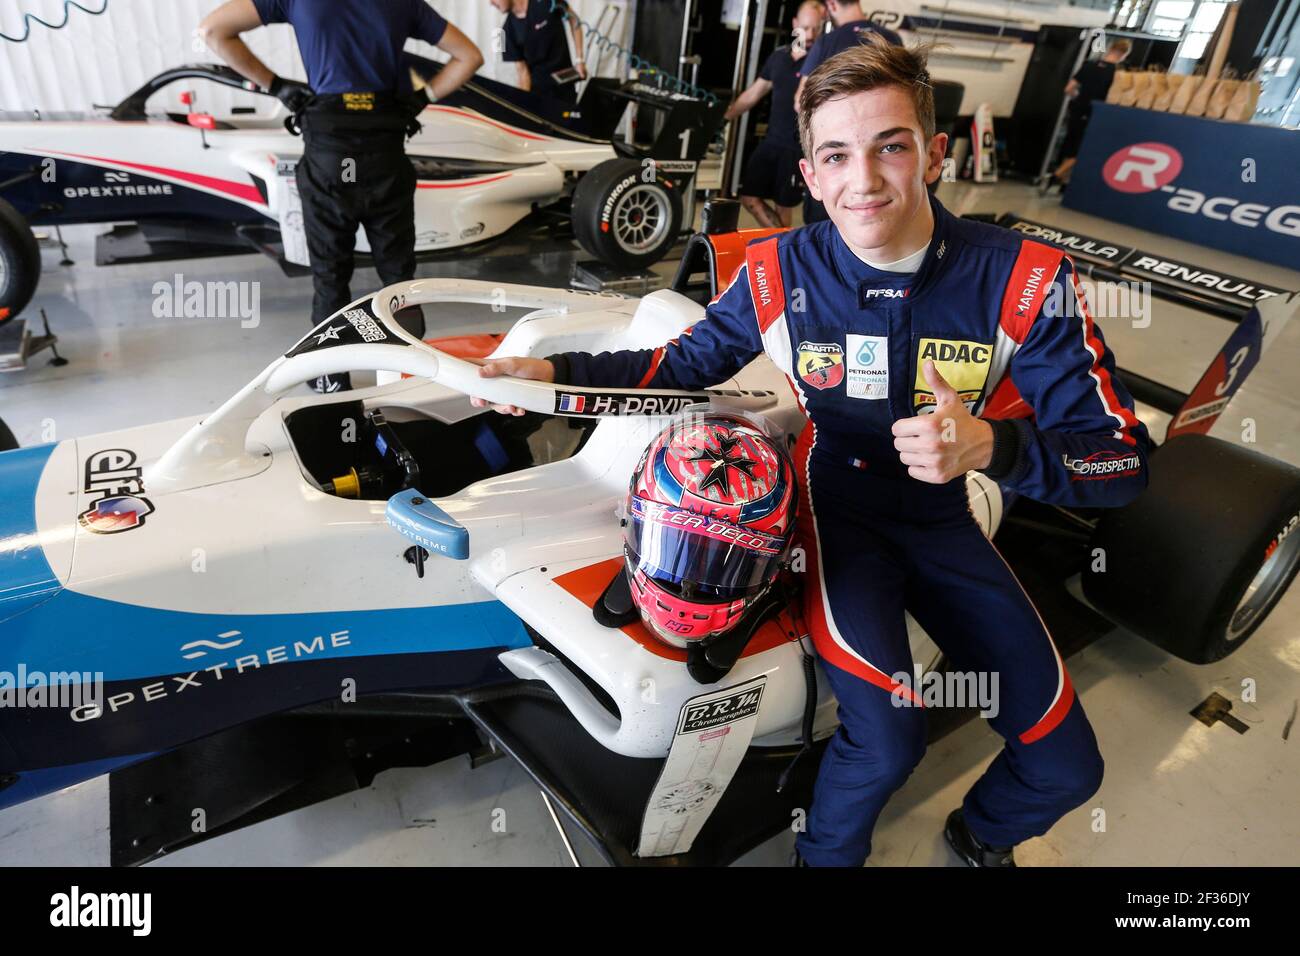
column 1086, row 87
column 894, row 322
column 772, row 172
column 851, row 27
column 534, row 33
column 355, row 112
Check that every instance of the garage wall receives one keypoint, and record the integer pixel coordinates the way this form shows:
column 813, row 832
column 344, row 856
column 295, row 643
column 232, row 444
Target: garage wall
column 100, row 59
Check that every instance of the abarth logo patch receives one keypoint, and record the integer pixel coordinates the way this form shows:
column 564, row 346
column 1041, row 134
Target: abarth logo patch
column 964, row 365
column 820, row 364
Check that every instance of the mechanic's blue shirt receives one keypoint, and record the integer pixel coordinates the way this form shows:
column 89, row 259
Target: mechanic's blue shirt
column 537, row 38
column 994, row 311
column 354, row 46
column 841, row 39
column 781, row 70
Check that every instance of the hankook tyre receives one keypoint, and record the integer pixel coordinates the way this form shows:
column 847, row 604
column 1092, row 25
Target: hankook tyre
column 621, row 219
column 1199, row 558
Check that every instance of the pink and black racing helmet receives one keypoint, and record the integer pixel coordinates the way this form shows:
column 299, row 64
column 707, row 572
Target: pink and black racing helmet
column 710, row 519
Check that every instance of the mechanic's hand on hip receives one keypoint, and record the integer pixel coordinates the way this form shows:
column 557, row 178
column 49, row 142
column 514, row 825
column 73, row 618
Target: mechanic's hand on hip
column 538, row 370
column 946, row 443
column 294, row 95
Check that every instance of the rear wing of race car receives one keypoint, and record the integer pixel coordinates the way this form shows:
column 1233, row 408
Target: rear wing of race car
column 1260, row 312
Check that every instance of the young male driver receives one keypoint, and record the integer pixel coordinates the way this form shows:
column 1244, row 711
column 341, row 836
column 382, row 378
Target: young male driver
column 894, row 321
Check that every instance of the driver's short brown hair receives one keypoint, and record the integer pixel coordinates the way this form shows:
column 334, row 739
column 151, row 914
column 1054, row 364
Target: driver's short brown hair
column 873, row 63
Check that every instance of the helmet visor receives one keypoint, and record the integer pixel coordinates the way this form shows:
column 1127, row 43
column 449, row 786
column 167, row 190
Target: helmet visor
column 722, row 560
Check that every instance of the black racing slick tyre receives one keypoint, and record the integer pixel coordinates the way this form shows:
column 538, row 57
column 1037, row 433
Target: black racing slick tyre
column 626, row 216
column 20, row 262
column 7, row 440
column 1196, row 562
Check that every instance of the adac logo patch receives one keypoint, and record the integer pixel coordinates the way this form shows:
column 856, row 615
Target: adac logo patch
column 963, row 364
column 114, row 475
column 820, row 364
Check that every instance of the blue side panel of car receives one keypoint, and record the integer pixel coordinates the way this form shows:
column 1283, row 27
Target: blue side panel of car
column 25, row 576
column 69, row 191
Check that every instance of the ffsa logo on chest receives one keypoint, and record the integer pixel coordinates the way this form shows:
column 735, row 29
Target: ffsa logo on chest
column 869, row 295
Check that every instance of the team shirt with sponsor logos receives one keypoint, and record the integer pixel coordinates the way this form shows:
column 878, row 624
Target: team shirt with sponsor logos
column 991, row 309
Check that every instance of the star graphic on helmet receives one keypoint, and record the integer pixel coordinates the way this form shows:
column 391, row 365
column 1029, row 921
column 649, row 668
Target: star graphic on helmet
column 718, row 473
column 332, row 332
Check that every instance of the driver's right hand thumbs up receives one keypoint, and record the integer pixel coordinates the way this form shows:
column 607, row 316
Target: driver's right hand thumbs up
column 538, row 370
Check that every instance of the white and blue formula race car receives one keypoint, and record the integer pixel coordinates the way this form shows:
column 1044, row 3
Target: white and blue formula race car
column 490, row 161
column 270, row 605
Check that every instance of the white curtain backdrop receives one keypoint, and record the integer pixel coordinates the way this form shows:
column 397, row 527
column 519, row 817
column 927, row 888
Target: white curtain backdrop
column 100, row 59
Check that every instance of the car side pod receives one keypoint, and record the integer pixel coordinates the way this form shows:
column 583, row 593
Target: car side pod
column 414, row 516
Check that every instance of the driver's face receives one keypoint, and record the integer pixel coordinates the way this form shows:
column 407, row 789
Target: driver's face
column 870, row 164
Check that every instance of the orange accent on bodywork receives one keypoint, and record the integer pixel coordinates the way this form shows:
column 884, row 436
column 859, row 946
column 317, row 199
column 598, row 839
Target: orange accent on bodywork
column 466, row 346
column 588, row 584
column 729, row 252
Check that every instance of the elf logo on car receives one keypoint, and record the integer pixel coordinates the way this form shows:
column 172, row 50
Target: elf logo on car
column 1287, row 528
column 1102, row 464
column 1142, row 167
column 121, row 506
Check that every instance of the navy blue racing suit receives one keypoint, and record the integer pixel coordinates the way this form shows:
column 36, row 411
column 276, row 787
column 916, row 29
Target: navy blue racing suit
column 987, row 306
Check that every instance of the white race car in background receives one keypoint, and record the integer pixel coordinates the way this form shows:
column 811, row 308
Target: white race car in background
column 488, row 159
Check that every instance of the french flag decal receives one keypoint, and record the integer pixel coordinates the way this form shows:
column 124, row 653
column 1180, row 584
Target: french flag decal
column 572, row 403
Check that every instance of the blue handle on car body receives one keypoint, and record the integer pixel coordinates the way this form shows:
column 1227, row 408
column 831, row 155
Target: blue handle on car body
column 413, row 515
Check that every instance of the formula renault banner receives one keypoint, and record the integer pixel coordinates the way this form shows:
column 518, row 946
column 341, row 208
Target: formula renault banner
column 1231, row 186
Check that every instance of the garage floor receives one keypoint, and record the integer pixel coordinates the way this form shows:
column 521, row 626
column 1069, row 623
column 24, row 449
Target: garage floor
column 1176, row 792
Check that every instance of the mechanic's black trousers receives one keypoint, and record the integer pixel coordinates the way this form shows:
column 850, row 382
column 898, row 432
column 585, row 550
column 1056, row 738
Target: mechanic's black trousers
column 350, row 181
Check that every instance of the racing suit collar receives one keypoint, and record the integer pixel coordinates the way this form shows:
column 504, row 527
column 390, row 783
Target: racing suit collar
column 877, row 288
